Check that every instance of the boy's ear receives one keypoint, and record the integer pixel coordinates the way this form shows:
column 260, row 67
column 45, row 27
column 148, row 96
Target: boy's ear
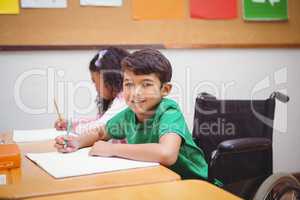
column 166, row 89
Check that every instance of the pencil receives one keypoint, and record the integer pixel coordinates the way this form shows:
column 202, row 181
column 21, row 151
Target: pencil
column 69, row 129
column 57, row 111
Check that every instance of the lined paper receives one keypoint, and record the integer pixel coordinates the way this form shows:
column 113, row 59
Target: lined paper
column 3, row 179
column 36, row 135
column 43, row 3
column 62, row 165
column 101, row 2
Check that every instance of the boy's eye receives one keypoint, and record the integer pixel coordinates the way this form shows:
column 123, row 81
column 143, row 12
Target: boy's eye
column 147, row 84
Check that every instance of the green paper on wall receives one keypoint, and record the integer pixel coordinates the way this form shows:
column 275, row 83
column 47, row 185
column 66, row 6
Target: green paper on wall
column 265, row 10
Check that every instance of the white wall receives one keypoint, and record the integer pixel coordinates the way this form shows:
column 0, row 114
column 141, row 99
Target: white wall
column 227, row 73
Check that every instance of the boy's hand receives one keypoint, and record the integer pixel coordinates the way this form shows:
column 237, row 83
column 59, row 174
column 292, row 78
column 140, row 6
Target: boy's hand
column 102, row 148
column 66, row 144
column 60, row 125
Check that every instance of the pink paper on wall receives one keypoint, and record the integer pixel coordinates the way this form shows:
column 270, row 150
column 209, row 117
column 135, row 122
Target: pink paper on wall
column 213, row 9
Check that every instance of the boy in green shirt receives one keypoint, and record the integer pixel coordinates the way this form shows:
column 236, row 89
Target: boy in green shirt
column 152, row 124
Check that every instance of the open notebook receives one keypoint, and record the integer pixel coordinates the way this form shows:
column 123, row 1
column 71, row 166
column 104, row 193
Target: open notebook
column 36, row 135
column 61, row 165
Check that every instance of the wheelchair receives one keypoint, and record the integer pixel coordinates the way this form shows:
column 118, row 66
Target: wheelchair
column 236, row 138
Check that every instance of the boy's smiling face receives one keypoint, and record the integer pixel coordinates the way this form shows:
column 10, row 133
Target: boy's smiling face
column 143, row 93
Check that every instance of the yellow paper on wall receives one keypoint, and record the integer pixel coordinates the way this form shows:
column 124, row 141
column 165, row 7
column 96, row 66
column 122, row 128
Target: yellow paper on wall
column 157, row 9
column 9, row 7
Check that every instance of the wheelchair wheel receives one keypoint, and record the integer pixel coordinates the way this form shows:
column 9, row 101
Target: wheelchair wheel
column 279, row 186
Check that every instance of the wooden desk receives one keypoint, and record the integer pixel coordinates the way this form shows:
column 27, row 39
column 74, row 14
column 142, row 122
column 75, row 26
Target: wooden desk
column 176, row 190
column 32, row 181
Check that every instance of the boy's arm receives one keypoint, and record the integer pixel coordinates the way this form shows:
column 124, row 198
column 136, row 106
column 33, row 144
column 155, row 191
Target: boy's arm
column 93, row 136
column 165, row 152
column 70, row 143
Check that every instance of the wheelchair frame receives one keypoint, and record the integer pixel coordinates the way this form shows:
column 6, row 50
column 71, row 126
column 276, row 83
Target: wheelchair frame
column 260, row 182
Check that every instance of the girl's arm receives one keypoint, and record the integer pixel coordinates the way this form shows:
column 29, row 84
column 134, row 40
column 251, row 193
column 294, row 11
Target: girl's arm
column 77, row 124
column 85, row 126
column 165, row 152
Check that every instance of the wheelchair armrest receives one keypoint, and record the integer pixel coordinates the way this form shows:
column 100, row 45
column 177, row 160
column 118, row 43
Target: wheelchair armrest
column 244, row 144
column 237, row 146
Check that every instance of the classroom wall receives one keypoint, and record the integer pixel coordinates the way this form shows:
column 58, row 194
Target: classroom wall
column 30, row 80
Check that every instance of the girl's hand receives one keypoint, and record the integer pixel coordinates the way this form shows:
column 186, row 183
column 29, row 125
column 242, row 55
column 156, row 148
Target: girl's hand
column 102, row 148
column 66, row 144
column 61, row 125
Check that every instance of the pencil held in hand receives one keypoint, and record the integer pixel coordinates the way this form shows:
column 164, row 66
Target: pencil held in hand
column 69, row 128
column 60, row 144
column 60, row 124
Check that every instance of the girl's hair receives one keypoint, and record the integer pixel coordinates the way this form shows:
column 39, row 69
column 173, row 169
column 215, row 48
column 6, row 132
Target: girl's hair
column 108, row 62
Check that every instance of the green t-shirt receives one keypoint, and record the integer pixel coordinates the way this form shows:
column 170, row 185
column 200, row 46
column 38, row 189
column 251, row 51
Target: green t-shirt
column 167, row 119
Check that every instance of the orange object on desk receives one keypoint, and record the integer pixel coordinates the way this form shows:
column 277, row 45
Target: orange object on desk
column 9, row 156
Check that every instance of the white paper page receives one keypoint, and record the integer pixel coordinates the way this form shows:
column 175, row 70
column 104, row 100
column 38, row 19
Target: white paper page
column 36, row 135
column 2, row 179
column 43, row 3
column 101, row 2
column 61, row 165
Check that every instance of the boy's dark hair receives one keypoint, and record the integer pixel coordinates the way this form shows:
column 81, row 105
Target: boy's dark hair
column 147, row 61
column 108, row 62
